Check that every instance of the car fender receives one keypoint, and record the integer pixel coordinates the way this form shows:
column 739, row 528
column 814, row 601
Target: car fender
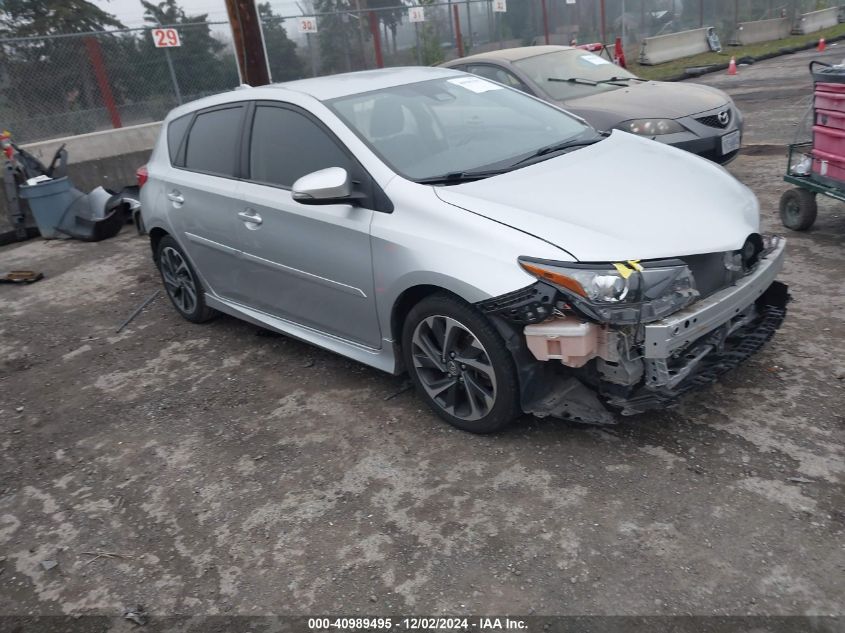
column 426, row 242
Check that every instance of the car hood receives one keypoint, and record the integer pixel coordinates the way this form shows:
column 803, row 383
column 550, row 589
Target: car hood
column 652, row 99
column 622, row 198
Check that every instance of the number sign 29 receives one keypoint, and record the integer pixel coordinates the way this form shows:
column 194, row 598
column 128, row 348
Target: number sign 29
column 166, row 38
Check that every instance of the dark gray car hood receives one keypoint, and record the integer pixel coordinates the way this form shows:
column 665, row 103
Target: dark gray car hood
column 652, row 100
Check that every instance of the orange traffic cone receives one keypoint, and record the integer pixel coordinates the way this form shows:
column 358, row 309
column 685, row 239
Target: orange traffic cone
column 821, row 45
column 732, row 66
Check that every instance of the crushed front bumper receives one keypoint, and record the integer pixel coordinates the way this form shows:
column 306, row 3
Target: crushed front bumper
column 710, row 356
column 649, row 366
column 665, row 337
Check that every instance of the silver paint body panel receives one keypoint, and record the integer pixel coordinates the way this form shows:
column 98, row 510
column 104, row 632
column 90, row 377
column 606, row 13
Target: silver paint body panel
column 331, row 275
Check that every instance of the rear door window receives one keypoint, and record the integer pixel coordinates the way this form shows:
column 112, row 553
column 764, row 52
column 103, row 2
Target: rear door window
column 175, row 133
column 214, row 141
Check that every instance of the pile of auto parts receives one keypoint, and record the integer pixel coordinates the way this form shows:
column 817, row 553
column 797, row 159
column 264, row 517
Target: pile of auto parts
column 59, row 209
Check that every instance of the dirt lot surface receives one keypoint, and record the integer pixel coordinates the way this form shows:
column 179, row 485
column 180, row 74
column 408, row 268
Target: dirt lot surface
column 212, row 469
column 775, row 95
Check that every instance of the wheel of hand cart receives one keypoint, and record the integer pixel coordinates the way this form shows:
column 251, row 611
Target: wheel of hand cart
column 798, row 209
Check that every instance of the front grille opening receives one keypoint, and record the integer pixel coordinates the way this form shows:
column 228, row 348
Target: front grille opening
column 712, row 120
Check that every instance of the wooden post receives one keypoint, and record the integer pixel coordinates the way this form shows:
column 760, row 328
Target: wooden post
column 458, row 37
column 249, row 42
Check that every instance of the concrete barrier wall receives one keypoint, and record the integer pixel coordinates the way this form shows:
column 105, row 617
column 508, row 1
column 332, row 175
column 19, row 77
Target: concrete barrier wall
column 107, row 158
column 761, row 31
column 817, row 20
column 665, row 48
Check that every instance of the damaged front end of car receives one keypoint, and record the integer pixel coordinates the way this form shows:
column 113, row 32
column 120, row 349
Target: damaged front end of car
column 628, row 337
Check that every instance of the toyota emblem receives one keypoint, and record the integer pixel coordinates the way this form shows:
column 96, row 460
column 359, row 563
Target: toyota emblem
column 724, row 117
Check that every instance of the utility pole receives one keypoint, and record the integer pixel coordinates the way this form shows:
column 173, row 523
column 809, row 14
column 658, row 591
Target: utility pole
column 249, row 42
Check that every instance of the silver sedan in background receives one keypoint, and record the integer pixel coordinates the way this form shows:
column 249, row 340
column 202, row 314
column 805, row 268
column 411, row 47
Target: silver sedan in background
column 504, row 253
column 696, row 118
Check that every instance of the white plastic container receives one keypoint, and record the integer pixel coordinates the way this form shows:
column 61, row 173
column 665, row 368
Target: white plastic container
column 566, row 339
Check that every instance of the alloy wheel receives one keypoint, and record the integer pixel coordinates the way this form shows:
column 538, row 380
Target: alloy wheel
column 178, row 280
column 453, row 367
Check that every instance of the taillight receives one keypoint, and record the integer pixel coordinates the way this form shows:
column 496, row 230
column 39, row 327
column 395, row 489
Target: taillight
column 142, row 174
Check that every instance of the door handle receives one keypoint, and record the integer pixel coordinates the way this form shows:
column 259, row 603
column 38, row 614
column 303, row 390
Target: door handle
column 250, row 217
column 175, row 197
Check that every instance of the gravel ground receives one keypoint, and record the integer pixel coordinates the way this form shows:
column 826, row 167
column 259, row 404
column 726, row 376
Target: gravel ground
column 218, row 469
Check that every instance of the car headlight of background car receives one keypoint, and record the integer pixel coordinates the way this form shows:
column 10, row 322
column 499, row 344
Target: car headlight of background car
column 651, row 127
column 621, row 293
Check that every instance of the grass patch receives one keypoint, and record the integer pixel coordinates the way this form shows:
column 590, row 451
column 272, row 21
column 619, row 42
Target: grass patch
column 676, row 67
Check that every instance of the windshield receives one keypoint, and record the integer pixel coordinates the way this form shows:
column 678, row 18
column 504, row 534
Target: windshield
column 552, row 70
column 456, row 125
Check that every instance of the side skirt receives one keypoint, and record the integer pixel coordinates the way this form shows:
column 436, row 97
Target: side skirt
column 383, row 359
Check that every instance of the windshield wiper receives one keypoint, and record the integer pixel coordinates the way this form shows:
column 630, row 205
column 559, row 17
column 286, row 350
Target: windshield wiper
column 593, row 82
column 616, row 79
column 574, row 80
column 558, row 147
column 458, row 177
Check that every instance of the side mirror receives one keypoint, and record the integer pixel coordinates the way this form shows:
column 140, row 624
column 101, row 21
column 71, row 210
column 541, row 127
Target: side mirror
column 326, row 186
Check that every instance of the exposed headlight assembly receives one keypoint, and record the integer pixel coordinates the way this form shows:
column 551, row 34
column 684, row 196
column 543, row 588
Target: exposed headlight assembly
column 621, row 293
column 651, row 127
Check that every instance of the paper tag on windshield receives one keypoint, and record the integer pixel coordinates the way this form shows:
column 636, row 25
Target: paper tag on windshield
column 475, row 84
column 594, row 59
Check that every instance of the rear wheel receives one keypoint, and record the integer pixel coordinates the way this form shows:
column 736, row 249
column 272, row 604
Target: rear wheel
column 181, row 282
column 460, row 365
column 798, row 209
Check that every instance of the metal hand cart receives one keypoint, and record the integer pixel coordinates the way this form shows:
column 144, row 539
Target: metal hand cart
column 810, row 170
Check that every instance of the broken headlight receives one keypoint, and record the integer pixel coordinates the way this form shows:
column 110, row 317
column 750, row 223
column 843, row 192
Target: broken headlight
column 620, row 293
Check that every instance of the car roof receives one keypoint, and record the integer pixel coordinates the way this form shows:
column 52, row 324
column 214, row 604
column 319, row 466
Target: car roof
column 511, row 54
column 322, row 88
column 333, row 86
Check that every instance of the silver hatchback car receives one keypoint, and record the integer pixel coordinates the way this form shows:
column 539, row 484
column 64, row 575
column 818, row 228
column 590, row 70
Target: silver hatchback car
column 500, row 250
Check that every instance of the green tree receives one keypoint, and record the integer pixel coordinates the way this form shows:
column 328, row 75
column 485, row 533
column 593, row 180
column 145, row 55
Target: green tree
column 201, row 64
column 284, row 63
column 50, row 89
column 430, row 53
column 25, row 18
column 335, row 33
column 390, row 15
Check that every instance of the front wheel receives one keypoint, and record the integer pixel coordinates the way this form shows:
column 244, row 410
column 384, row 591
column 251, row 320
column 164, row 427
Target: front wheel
column 798, row 209
column 460, row 365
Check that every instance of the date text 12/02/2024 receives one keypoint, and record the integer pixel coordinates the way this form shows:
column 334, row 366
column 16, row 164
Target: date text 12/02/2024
column 416, row 624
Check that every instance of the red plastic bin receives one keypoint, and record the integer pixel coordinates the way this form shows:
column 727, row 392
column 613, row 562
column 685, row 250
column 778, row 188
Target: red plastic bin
column 831, row 119
column 830, row 101
column 829, row 165
column 826, row 87
column 828, row 139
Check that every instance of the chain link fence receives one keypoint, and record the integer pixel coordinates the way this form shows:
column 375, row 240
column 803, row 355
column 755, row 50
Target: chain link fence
column 62, row 85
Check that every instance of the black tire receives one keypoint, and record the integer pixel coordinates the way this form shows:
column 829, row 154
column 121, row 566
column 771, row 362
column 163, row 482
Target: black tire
column 484, row 392
column 181, row 283
column 798, row 209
